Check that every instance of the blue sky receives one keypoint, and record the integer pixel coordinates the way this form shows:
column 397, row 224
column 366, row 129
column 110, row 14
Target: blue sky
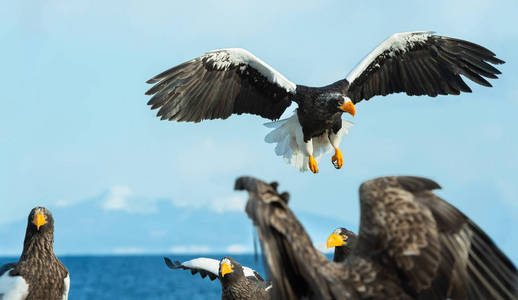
column 74, row 123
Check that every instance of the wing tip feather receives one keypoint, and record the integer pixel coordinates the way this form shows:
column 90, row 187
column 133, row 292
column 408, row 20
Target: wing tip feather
column 170, row 264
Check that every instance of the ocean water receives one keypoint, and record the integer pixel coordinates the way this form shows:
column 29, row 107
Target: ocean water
column 140, row 277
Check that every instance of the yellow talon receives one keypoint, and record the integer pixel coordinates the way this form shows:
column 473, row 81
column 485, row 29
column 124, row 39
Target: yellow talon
column 313, row 164
column 337, row 159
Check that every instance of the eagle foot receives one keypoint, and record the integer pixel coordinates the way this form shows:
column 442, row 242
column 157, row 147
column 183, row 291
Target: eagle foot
column 337, row 159
column 312, row 163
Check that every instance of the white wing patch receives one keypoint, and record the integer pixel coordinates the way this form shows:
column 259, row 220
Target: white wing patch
column 212, row 266
column 66, row 287
column 225, row 58
column 207, row 264
column 285, row 135
column 249, row 272
column 13, row 287
column 399, row 42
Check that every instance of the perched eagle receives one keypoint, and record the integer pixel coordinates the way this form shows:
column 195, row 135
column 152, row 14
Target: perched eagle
column 343, row 241
column 237, row 282
column 38, row 274
column 233, row 81
column 411, row 245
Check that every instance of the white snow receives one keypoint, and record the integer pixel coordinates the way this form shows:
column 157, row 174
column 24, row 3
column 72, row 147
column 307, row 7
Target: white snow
column 401, row 42
column 225, row 58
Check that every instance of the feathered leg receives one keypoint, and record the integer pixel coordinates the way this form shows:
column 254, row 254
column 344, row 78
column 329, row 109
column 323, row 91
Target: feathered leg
column 338, row 159
column 307, row 149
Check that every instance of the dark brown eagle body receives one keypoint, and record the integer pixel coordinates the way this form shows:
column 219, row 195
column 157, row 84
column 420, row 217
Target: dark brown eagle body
column 237, row 282
column 236, row 286
column 411, row 245
column 245, row 290
column 41, row 270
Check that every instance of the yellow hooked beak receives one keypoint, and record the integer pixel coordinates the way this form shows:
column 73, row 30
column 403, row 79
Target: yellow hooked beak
column 39, row 220
column 225, row 269
column 348, row 107
column 335, row 240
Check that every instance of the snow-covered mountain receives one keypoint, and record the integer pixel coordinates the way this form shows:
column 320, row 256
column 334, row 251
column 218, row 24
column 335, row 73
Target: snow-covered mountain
column 110, row 224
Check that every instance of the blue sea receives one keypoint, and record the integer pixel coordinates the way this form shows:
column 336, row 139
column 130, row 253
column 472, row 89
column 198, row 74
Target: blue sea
column 140, row 277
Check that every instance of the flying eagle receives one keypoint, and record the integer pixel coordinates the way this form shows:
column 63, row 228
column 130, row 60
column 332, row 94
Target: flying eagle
column 237, row 282
column 38, row 274
column 234, row 81
column 411, row 245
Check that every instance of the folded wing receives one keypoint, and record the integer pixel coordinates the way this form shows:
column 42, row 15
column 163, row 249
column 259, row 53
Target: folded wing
column 297, row 269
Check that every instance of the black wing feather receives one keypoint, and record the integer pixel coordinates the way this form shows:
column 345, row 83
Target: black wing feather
column 202, row 89
column 427, row 66
column 447, row 254
column 7, row 267
column 412, row 245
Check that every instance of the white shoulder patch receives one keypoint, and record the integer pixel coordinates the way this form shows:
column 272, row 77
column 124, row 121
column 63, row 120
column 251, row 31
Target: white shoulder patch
column 207, row 264
column 398, row 42
column 13, row 287
column 248, row 272
column 223, row 59
column 66, row 287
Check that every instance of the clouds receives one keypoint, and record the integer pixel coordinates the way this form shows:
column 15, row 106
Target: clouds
column 117, row 198
column 190, row 249
column 76, row 126
column 233, row 249
column 229, row 203
column 122, row 198
column 219, row 204
column 129, row 250
column 238, row 249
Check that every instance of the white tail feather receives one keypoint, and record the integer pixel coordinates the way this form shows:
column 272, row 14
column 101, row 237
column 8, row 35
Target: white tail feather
column 285, row 133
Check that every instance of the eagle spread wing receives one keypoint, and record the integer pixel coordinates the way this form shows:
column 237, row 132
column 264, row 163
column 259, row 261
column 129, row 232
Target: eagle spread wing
column 411, row 244
column 420, row 63
column 218, row 84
